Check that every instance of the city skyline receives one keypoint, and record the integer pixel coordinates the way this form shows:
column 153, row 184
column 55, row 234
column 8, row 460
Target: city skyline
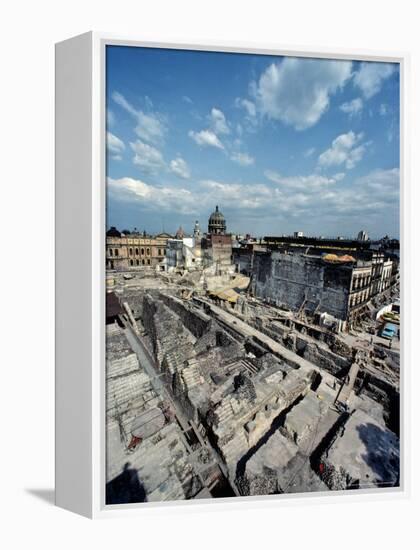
column 282, row 145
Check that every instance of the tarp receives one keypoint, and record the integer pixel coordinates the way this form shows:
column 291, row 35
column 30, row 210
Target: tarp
column 227, row 294
column 333, row 258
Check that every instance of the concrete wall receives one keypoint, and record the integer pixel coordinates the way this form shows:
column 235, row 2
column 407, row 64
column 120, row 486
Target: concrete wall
column 292, row 279
column 242, row 260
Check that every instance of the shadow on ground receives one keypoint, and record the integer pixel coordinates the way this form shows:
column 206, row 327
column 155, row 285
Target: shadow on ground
column 47, row 495
column 125, row 488
column 382, row 454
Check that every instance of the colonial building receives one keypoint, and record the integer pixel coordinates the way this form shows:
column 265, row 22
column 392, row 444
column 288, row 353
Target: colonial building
column 217, row 245
column 133, row 251
column 213, row 249
column 183, row 254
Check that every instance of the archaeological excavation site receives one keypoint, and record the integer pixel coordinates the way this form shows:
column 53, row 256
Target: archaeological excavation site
column 215, row 389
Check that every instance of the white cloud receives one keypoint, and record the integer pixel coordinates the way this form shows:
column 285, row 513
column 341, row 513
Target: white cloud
column 114, row 144
column 250, row 120
column 170, row 199
column 370, row 76
column 310, row 183
column 242, row 158
column 240, row 195
column 146, row 157
column 187, row 99
column 110, row 118
column 248, row 105
column 320, row 203
column 376, row 192
column 150, row 126
column 352, row 107
column 309, row 152
column 122, row 102
column 313, row 195
column 180, row 168
column 297, row 91
column 345, row 150
column 218, row 122
column 385, row 182
column 218, row 125
column 206, row 138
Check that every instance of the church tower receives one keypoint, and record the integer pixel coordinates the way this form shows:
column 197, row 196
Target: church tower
column 217, row 223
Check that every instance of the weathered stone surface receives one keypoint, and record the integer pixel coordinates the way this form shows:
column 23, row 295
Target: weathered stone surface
column 364, row 454
column 263, row 408
column 303, row 418
column 263, row 468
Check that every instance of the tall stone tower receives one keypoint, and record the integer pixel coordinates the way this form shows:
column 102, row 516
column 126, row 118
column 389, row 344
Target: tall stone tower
column 197, row 230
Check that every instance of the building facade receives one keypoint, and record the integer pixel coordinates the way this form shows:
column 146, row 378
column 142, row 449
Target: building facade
column 213, row 249
column 313, row 281
column 134, row 251
column 217, row 244
column 183, row 254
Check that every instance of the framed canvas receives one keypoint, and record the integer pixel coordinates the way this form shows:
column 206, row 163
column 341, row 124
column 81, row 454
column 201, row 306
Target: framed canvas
column 230, row 275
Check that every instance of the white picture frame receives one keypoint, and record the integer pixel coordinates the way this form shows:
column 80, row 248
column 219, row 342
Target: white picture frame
column 80, row 287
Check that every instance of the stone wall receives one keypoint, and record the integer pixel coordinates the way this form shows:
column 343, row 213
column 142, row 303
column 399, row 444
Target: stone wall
column 148, row 312
column 304, row 347
column 195, row 320
column 296, row 280
column 242, row 258
column 221, row 249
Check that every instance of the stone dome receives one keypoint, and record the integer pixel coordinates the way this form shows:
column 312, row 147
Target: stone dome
column 217, row 223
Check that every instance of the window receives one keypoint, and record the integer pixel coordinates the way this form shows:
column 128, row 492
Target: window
column 148, row 262
column 137, row 251
column 131, row 251
column 131, row 262
column 110, row 251
column 116, row 252
column 147, row 251
column 142, row 262
column 142, row 251
column 137, row 262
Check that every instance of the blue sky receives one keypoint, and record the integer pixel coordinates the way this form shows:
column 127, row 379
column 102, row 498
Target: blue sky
column 281, row 144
